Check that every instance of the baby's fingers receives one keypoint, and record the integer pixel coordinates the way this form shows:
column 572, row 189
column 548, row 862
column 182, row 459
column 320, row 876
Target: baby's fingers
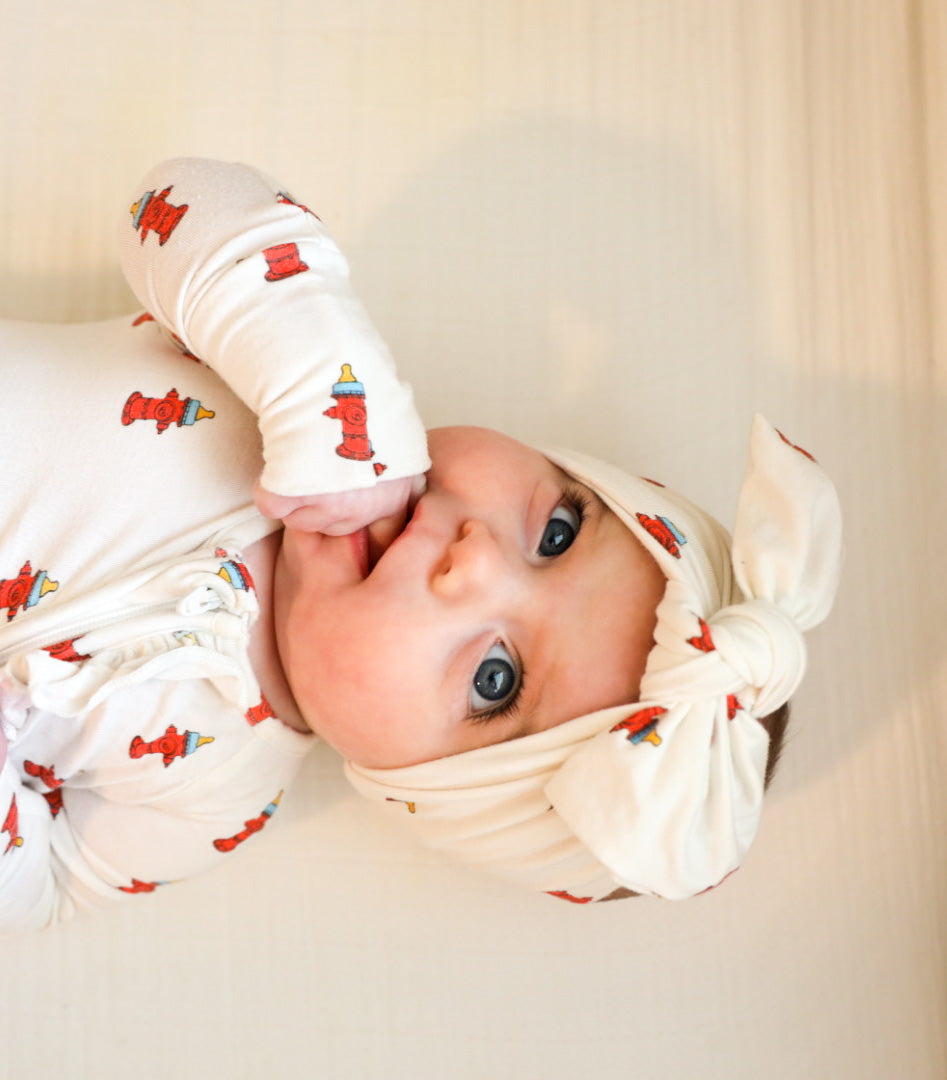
column 356, row 509
column 340, row 512
column 275, row 506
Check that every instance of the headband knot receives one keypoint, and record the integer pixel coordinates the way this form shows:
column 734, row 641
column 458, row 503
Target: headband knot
column 752, row 648
column 765, row 650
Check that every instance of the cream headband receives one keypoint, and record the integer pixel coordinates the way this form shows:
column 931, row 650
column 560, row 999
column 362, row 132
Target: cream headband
column 663, row 796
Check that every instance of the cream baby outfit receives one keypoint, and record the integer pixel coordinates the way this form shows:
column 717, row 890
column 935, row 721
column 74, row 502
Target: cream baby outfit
column 140, row 749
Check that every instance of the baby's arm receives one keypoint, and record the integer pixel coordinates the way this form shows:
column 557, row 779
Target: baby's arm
column 251, row 282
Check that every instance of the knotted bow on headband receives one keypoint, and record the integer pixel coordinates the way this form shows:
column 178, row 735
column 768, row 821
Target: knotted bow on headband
column 663, row 796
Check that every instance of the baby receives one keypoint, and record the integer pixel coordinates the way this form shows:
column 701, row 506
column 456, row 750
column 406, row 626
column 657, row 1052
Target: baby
column 552, row 669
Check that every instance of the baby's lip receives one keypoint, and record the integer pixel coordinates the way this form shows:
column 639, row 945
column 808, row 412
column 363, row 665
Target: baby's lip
column 384, row 532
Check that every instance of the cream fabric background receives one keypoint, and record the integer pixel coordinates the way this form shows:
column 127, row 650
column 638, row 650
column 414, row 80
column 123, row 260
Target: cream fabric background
column 625, row 224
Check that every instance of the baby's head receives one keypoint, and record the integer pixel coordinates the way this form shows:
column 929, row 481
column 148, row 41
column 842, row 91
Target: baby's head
column 483, row 669
column 512, row 600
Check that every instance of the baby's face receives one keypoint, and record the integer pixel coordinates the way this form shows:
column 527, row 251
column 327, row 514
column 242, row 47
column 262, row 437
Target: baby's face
column 512, row 601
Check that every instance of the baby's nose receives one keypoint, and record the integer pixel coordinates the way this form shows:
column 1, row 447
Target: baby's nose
column 473, row 560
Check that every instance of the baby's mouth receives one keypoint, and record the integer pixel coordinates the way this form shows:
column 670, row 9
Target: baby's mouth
column 384, row 532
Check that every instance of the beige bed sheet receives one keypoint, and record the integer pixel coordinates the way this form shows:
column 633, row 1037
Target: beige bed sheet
column 624, row 224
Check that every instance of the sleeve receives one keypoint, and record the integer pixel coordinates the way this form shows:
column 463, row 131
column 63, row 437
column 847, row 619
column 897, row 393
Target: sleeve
column 250, row 281
column 104, row 817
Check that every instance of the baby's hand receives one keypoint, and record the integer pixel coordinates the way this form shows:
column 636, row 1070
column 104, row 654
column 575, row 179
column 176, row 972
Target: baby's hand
column 340, row 512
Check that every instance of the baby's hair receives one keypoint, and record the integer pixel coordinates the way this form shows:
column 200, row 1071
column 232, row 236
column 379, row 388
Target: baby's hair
column 775, row 724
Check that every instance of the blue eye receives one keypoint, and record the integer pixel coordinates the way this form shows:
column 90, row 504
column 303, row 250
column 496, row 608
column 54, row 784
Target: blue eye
column 495, row 682
column 561, row 529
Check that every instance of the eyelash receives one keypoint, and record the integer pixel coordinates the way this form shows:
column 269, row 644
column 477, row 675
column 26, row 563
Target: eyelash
column 579, row 503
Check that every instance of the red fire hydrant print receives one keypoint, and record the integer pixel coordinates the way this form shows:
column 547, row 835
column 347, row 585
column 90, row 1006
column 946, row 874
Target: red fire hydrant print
column 45, row 773
column 256, row 714
column 665, row 532
column 234, row 571
column 139, row 886
column 350, row 408
column 66, row 650
column 640, row 726
column 703, row 642
column 153, row 213
column 254, row 825
column 171, row 409
column 561, row 894
column 11, row 826
column 283, row 261
column 25, row 590
column 173, row 744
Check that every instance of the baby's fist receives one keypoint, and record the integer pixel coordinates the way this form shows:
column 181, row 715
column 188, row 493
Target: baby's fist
column 339, row 512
